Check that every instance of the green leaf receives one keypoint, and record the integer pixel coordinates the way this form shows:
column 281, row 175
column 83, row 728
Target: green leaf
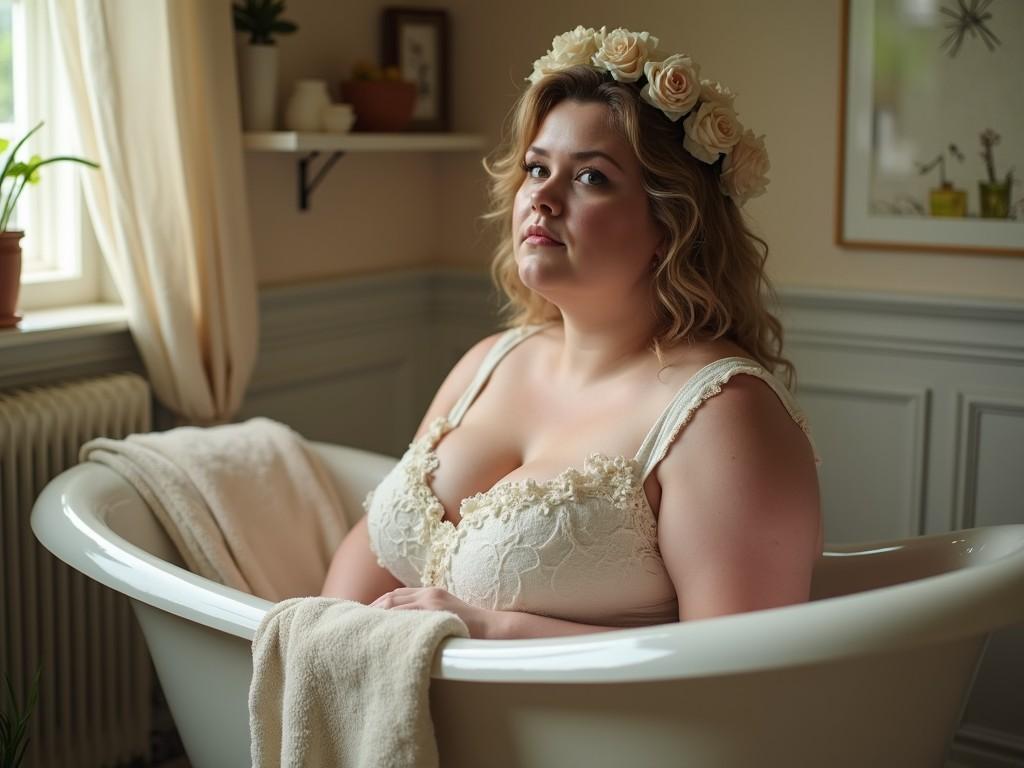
column 60, row 159
column 13, row 742
column 13, row 152
column 30, row 172
column 283, row 27
column 15, row 171
column 4, row 143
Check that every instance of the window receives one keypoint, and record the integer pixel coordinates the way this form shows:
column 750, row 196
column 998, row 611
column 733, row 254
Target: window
column 61, row 261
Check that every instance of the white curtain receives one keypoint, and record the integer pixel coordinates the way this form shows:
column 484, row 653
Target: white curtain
column 155, row 103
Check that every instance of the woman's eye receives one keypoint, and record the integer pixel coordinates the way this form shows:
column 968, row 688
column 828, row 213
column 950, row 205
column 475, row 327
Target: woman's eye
column 529, row 168
column 598, row 178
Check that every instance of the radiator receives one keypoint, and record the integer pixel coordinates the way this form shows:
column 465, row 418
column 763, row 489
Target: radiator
column 93, row 707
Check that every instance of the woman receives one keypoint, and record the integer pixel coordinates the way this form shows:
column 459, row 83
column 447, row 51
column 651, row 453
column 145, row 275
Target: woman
column 634, row 294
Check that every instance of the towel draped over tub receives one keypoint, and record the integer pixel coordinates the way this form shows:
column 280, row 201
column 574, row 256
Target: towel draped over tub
column 337, row 683
column 249, row 505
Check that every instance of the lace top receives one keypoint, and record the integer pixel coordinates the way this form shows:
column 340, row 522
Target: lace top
column 582, row 546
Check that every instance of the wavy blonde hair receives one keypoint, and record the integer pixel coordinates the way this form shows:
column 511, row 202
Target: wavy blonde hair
column 711, row 282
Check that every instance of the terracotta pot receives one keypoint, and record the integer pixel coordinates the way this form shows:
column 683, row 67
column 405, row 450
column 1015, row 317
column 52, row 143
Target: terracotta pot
column 380, row 105
column 10, row 277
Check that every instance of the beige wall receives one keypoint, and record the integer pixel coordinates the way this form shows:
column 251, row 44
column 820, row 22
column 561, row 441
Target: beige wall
column 385, row 212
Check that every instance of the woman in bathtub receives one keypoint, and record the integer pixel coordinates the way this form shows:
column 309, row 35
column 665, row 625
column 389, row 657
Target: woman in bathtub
column 625, row 454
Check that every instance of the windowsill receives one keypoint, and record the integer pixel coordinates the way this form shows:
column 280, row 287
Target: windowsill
column 45, row 325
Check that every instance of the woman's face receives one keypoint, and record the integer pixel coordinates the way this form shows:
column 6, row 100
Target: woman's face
column 583, row 185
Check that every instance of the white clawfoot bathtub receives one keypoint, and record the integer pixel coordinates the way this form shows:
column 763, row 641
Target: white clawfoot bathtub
column 875, row 671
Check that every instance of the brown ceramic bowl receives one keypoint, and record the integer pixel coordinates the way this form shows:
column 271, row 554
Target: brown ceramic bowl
column 380, row 105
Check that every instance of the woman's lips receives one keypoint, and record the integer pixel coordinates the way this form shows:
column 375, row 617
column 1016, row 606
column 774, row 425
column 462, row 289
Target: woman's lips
column 541, row 240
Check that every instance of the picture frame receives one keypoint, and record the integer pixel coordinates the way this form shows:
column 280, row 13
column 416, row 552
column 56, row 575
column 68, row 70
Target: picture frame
column 920, row 93
column 416, row 40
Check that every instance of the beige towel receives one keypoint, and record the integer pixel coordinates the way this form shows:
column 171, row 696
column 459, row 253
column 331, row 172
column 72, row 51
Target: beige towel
column 248, row 505
column 338, row 683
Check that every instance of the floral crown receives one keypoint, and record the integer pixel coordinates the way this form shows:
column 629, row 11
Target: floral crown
column 673, row 85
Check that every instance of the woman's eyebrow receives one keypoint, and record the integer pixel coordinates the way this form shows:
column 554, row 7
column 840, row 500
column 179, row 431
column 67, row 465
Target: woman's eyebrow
column 581, row 155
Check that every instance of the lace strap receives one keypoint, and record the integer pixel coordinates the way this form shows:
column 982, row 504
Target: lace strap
column 706, row 383
column 502, row 347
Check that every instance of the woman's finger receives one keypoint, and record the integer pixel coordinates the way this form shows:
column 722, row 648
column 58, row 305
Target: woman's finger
column 391, row 600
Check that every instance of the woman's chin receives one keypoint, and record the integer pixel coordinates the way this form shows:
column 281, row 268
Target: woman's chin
column 540, row 274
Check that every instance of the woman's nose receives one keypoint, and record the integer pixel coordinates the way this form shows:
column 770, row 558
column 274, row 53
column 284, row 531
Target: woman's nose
column 544, row 198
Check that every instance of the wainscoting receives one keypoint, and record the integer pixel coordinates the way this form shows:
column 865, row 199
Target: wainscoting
column 916, row 406
column 358, row 361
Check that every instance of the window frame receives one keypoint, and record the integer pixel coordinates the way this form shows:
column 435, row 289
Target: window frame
column 62, row 261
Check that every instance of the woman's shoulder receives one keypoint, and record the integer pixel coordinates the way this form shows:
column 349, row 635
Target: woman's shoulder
column 752, row 412
column 682, row 361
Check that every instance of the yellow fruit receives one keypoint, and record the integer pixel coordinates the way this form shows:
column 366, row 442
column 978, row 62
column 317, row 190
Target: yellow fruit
column 392, row 73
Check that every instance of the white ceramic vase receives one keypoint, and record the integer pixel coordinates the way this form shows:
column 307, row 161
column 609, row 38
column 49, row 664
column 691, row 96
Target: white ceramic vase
column 257, row 75
column 306, row 106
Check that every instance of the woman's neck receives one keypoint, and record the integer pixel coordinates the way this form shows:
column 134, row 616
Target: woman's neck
column 593, row 352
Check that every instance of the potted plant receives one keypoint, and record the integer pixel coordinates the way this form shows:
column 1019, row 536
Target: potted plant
column 995, row 195
column 13, row 178
column 257, row 60
column 945, row 200
column 13, row 727
column 381, row 99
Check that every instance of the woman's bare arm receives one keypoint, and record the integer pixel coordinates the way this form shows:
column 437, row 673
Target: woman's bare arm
column 354, row 573
column 740, row 518
column 515, row 625
column 484, row 623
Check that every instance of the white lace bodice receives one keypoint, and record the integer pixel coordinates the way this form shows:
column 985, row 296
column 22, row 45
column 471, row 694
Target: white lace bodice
column 582, row 546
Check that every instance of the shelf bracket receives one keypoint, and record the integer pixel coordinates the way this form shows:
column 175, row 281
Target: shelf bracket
column 307, row 185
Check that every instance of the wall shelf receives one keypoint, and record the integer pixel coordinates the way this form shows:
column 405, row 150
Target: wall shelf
column 337, row 144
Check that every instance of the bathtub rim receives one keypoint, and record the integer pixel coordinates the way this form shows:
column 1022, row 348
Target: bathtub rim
column 829, row 629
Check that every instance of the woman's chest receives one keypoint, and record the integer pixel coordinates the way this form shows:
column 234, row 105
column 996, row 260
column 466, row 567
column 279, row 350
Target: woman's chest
column 578, row 523
column 509, row 439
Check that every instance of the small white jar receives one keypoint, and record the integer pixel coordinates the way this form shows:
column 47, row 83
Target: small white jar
column 306, row 106
column 338, row 118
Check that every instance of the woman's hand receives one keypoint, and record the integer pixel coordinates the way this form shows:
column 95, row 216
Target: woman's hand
column 480, row 621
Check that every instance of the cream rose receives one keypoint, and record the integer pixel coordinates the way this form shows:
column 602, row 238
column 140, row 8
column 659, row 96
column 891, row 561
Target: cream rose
column 568, row 50
column 711, row 130
column 624, row 53
column 672, row 85
column 745, row 169
column 712, row 90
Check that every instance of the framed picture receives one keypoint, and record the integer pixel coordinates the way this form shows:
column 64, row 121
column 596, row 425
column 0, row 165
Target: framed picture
column 931, row 129
column 416, row 41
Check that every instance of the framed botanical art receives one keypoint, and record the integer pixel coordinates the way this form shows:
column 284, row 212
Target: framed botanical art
column 416, row 41
column 932, row 126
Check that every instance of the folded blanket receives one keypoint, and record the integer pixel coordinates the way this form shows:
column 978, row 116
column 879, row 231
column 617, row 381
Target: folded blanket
column 338, row 683
column 248, row 505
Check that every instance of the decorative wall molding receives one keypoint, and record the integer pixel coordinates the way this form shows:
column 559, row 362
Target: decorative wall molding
column 403, row 330
column 971, row 407
column 916, row 402
column 89, row 351
column 936, row 327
